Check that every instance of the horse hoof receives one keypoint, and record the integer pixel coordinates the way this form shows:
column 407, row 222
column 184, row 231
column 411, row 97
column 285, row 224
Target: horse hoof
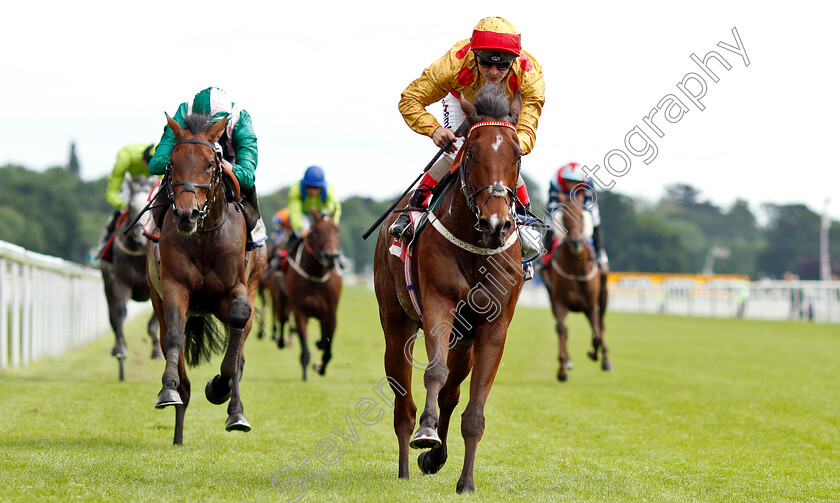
column 425, row 438
column 424, row 462
column 213, row 395
column 593, row 356
column 320, row 368
column 118, row 352
column 570, row 365
column 464, row 487
column 562, row 376
column 321, row 344
column 237, row 422
column 167, row 397
column 605, row 365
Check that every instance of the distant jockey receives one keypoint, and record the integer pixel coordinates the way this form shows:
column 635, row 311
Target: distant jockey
column 132, row 161
column 311, row 192
column 565, row 181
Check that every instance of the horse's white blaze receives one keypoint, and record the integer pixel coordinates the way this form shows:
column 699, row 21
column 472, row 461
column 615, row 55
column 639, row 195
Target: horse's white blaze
column 494, row 221
column 498, row 142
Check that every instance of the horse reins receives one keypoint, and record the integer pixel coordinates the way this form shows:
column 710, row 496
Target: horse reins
column 190, row 186
column 295, row 265
column 494, row 189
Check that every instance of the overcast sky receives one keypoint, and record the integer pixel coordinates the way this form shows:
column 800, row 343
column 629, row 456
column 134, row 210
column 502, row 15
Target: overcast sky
column 322, row 81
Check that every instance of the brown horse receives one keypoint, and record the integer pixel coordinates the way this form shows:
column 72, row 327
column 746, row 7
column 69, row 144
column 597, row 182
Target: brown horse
column 200, row 268
column 124, row 276
column 311, row 288
column 469, row 275
column 575, row 282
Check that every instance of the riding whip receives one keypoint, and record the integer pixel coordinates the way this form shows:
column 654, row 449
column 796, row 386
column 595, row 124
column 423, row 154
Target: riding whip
column 461, row 131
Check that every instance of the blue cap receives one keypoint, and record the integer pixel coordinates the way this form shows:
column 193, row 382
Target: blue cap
column 314, row 177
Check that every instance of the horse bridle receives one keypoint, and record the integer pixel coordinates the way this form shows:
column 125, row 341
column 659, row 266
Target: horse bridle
column 493, row 189
column 190, row 186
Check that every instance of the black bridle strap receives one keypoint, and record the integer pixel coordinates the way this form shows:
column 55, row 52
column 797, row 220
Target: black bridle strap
column 190, row 186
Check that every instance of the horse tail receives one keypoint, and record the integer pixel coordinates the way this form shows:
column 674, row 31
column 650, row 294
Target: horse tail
column 204, row 338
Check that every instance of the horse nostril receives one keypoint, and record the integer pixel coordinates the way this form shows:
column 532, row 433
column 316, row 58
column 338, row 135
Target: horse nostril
column 484, row 226
column 506, row 227
column 194, row 214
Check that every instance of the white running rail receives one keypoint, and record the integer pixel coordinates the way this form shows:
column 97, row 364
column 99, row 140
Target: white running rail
column 48, row 306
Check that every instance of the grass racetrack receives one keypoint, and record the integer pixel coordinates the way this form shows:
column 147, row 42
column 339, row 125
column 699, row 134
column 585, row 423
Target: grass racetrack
column 693, row 410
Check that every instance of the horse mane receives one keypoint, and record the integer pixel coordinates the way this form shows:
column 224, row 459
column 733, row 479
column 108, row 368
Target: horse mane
column 491, row 101
column 197, row 123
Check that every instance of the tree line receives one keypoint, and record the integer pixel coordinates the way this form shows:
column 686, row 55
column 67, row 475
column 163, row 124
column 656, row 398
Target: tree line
column 56, row 213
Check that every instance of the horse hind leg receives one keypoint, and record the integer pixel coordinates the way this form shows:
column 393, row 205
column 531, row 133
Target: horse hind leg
column 154, row 330
column 180, row 410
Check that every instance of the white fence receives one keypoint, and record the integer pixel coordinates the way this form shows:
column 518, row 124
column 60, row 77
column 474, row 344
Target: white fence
column 48, row 306
column 817, row 301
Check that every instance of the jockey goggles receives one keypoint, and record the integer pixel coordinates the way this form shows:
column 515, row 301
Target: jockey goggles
column 500, row 60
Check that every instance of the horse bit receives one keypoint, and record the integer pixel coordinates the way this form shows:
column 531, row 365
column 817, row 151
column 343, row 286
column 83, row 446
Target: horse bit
column 493, row 189
column 190, row 186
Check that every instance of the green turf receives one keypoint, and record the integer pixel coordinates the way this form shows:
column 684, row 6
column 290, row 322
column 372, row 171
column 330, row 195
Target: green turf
column 694, row 410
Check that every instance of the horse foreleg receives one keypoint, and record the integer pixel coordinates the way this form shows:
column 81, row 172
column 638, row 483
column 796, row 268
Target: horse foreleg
column 117, row 295
column 460, row 363
column 488, row 353
column 300, row 324
column 560, row 312
column 173, row 307
column 328, row 323
column 439, row 322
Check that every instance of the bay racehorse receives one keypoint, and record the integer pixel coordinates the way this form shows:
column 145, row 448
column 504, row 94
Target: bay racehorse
column 124, row 275
column 468, row 275
column 311, row 287
column 200, row 268
column 575, row 282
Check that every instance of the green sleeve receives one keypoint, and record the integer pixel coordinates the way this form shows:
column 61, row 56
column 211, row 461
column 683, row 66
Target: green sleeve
column 158, row 162
column 333, row 203
column 295, row 207
column 245, row 144
column 115, row 180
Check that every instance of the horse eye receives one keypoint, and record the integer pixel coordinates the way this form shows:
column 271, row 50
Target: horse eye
column 209, row 165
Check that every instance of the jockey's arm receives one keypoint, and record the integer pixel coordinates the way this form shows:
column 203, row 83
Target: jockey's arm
column 333, row 204
column 115, row 180
column 533, row 99
column 295, row 205
column 159, row 161
column 245, row 144
column 432, row 85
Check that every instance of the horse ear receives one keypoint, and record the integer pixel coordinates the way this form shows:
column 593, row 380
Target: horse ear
column 175, row 127
column 215, row 131
column 516, row 107
column 332, row 214
column 469, row 110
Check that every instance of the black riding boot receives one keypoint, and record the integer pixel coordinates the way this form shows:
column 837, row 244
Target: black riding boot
column 251, row 211
column 107, row 231
column 160, row 205
column 419, row 201
column 548, row 240
column 600, row 252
